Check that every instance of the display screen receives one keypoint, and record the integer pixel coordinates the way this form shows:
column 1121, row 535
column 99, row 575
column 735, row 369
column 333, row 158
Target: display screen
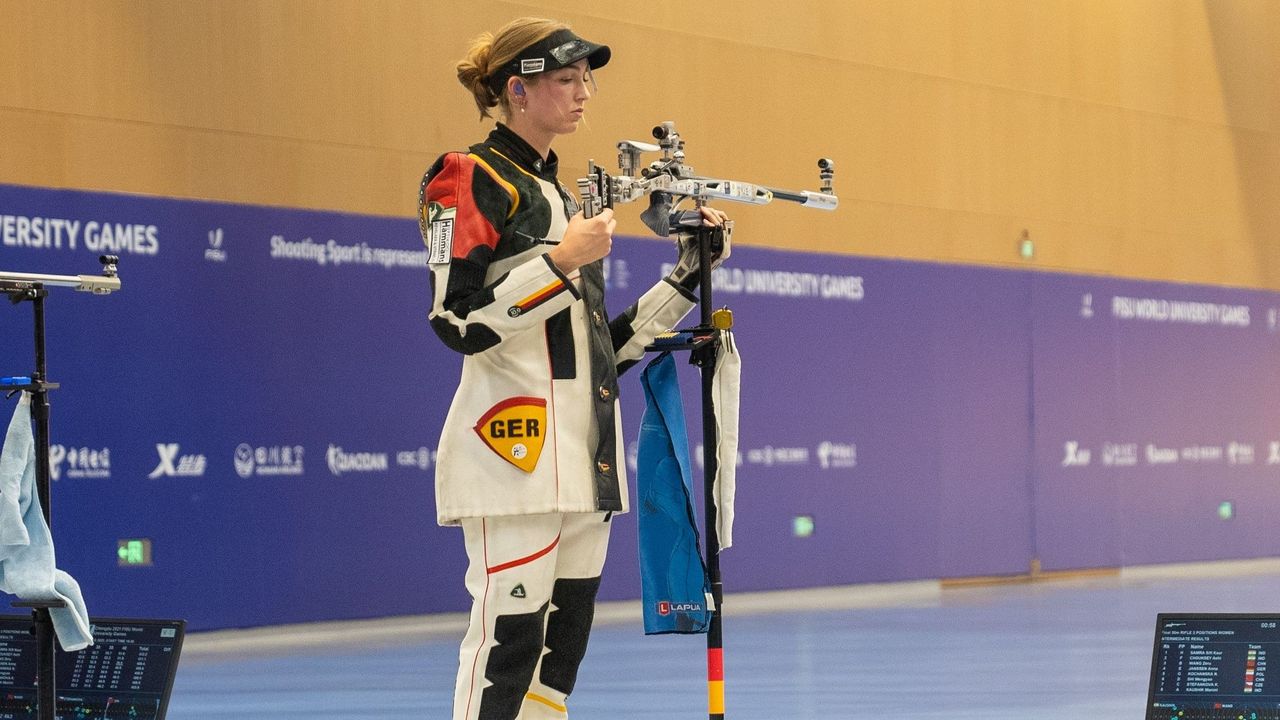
column 127, row 673
column 1207, row 667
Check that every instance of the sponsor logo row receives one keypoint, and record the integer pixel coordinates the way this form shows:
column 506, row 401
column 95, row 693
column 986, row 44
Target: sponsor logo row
column 171, row 461
column 827, row 455
column 1131, row 454
column 248, row 461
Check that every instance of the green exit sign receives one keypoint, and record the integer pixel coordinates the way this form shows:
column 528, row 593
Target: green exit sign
column 133, row 552
column 802, row 526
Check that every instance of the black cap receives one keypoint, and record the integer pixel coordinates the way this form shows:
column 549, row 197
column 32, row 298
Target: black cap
column 553, row 52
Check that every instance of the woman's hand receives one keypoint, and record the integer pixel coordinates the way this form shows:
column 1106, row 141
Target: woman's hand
column 585, row 240
column 686, row 272
column 712, row 217
column 717, row 218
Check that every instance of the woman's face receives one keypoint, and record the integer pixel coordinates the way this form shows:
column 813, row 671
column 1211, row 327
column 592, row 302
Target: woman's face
column 555, row 100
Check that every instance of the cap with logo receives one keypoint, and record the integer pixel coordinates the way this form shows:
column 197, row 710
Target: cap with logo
column 553, row 52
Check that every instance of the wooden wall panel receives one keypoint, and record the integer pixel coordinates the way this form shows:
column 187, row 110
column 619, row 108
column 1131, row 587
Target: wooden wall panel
column 1135, row 138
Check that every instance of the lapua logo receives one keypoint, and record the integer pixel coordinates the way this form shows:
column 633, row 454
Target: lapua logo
column 515, row 429
column 666, row 607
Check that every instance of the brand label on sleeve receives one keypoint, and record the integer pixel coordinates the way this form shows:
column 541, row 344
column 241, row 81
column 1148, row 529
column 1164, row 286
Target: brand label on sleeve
column 439, row 238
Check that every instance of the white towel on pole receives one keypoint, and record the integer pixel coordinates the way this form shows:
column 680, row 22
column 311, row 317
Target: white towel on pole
column 27, row 565
column 726, row 385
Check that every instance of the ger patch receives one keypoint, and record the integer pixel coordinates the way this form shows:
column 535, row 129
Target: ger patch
column 515, row 429
column 439, row 236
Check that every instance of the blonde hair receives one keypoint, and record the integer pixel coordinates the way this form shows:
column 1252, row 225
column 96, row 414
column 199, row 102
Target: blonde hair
column 489, row 52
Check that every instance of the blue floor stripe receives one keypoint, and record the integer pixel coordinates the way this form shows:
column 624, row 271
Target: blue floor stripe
column 1063, row 649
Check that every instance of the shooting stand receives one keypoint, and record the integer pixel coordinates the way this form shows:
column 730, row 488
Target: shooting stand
column 704, row 345
column 672, row 176
column 25, row 287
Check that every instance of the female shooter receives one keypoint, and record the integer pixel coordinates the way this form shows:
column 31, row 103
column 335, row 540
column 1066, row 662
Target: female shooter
column 531, row 461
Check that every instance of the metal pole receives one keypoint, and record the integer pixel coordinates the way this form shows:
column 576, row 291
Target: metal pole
column 46, row 680
column 706, row 359
column 715, row 640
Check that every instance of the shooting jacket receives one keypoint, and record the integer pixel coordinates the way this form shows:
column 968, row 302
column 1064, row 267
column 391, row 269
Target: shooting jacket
column 534, row 424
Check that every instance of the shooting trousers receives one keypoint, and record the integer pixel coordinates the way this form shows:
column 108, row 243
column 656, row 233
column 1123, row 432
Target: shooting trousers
column 533, row 580
column 674, row 587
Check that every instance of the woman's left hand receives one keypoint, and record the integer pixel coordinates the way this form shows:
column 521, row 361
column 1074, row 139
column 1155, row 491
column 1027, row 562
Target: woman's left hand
column 713, row 217
column 685, row 273
column 717, row 218
column 689, row 247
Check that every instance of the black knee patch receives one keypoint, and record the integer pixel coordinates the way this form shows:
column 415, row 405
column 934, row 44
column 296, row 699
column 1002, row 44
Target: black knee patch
column 511, row 664
column 567, row 631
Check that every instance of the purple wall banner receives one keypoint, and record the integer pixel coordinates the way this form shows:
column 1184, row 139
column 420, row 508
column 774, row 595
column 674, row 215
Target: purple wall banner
column 1157, row 432
column 261, row 401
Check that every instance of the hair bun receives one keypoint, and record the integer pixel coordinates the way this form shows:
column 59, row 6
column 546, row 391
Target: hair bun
column 473, row 72
column 488, row 52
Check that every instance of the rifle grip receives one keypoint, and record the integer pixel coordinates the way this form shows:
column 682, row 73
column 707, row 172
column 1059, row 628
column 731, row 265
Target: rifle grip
column 585, row 188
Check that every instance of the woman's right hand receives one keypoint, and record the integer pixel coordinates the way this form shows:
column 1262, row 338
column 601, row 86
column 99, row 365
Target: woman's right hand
column 585, row 240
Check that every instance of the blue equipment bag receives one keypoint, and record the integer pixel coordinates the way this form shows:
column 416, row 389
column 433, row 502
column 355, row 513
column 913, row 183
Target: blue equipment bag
column 675, row 589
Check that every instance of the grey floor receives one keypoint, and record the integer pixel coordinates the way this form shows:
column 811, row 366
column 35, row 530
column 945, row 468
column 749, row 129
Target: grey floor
column 1073, row 648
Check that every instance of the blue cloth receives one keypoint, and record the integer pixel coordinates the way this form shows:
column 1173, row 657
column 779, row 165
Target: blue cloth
column 673, row 578
column 27, row 566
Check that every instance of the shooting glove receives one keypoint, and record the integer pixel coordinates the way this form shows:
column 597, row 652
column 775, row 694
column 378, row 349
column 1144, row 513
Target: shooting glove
column 686, row 272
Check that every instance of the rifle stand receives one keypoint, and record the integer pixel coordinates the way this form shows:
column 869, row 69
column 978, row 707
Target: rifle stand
column 703, row 342
column 23, row 287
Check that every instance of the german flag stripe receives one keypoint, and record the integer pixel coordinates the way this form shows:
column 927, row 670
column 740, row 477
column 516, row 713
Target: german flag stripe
column 542, row 296
column 715, row 664
column 715, row 698
column 715, row 682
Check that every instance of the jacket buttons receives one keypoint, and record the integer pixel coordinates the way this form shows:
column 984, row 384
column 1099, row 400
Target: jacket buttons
column 604, row 467
column 605, row 394
column 596, row 317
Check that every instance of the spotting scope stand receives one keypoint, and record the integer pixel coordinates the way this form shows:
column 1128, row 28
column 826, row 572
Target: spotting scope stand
column 670, row 176
column 28, row 287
